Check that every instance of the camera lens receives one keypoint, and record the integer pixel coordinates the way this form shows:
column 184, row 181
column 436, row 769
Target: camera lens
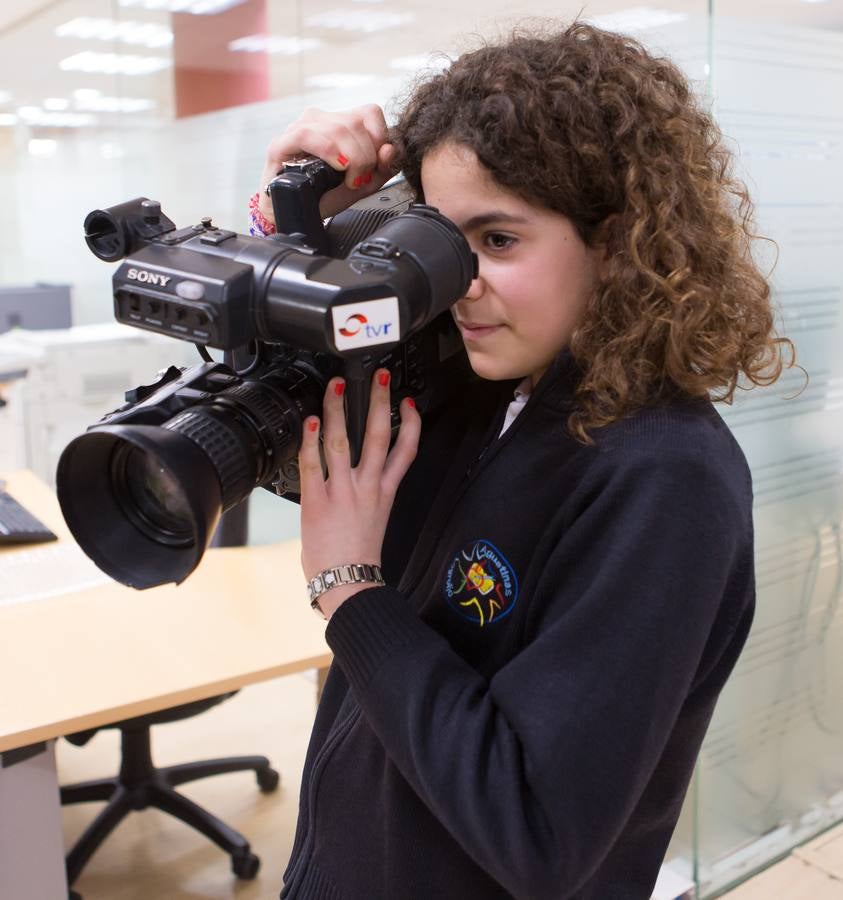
column 151, row 496
column 142, row 501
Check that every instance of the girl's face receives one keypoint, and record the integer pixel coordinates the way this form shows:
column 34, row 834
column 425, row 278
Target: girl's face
column 536, row 273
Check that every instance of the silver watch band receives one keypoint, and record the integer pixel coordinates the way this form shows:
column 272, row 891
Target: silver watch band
column 352, row 573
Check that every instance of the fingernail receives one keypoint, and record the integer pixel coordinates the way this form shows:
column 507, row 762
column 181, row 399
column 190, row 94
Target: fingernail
column 411, row 403
column 342, row 159
column 357, row 181
column 312, row 425
column 383, row 379
column 367, row 178
column 339, row 388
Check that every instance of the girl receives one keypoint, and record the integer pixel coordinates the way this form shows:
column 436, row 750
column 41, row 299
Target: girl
column 568, row 561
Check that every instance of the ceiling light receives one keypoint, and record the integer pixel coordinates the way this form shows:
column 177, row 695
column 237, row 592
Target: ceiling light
column 114, row 63
column 146, row 34
column 56, row 104
column 637, row 18
column 194, row 7
column 42, row 147
column 99, row 103
column 339, row 80
column 36, row 116
column 366, row 20
column 8, row 119
column 111, row 150
column 272, row 43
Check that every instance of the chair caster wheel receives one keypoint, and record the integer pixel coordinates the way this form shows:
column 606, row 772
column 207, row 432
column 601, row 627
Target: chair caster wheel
column 245, row 866
column 268, row 780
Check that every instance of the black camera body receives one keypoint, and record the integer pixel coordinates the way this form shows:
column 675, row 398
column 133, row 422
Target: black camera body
column 291, row 311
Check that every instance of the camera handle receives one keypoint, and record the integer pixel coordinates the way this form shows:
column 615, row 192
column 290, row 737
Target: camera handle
column 295, row 193
column 358, row 380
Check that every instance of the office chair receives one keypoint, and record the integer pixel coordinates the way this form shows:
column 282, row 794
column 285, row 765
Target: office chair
column 140, row 784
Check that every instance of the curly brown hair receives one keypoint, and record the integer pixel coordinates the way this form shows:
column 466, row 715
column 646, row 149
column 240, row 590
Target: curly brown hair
column 591, row 125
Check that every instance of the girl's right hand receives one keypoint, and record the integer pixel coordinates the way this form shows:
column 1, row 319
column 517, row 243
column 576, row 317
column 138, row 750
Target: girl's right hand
column 354, row 142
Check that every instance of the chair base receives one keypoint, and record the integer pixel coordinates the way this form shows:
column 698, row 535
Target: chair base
column 141, row 785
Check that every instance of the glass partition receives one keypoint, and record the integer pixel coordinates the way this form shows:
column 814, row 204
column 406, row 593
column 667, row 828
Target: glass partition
column 771, row 771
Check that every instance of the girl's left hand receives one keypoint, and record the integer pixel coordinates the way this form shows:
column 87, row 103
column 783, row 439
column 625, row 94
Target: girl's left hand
column 343, row 517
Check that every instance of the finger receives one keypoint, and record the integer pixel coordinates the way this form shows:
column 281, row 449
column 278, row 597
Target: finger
column 310, row 465
column 386, row 161
column 404, row 450
column 335, row 438
column 378, row 427
column 362, row 156
column 374, row 122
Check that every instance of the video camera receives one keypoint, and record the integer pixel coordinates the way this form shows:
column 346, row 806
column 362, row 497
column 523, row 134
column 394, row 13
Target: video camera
column 143, row 489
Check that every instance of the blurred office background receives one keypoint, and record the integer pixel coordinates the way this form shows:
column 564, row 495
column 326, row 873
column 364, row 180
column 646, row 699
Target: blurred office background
column 104, row 100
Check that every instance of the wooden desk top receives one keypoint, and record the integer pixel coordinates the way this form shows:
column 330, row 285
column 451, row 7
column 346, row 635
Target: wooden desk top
column 105, row 653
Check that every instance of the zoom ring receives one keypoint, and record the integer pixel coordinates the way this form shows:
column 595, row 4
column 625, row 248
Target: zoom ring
column 231, row 457
column 272, row 411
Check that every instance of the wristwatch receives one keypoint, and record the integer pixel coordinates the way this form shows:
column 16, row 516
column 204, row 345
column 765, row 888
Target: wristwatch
column 353, row 573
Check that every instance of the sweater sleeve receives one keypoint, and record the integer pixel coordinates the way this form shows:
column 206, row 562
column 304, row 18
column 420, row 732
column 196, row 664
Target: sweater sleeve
column 536, row 771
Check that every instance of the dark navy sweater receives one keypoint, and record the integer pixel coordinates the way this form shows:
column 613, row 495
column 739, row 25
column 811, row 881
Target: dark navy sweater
column 518, row 713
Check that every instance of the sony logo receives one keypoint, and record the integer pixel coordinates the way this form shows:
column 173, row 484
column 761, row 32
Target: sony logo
column 148, row 277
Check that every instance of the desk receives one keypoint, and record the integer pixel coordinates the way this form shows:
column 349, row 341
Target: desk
column 91, row 657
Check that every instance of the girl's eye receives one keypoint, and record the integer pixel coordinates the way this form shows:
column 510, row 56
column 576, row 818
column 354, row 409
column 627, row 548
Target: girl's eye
column 496, row 241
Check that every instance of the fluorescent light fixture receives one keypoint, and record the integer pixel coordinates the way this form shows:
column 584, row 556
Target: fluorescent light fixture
column 110, row 150
column 36, row 116
column 114, row 63
column 100, row 103
column 86, row 93
column 418, row 62
column 42, row 147
column 365, row 20
column 8, row 119
column 273, row 43
column 194, row 7
column 637, row 18
column 145, row 34
column 56, row 104
column 339, row 80
column 815, row 1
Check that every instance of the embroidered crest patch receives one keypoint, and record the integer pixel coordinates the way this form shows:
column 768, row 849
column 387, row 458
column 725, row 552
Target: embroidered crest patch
column 480, row 584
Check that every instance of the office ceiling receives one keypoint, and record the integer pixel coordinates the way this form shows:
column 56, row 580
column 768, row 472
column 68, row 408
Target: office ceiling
column 31, row 51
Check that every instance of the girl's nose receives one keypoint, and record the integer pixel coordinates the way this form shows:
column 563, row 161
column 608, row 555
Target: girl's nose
column 475, row 289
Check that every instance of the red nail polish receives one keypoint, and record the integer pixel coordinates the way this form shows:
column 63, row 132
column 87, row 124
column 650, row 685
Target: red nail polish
column 411, row 403
column 339, row 388
column 367, row 178
column 342, row 159
column 312, row 425
column 357, row 181
column 383, row 379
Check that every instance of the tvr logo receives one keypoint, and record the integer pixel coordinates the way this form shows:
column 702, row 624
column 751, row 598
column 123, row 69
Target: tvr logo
column 357, row 322
column 148, row 277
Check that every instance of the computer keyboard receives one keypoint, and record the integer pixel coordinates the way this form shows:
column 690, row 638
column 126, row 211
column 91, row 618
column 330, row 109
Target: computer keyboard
column 36, row 573
column 18, row 525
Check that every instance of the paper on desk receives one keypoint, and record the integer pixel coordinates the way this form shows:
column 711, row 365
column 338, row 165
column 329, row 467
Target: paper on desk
column 42, row 572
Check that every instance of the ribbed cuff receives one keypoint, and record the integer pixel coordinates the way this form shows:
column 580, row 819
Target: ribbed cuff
column 368, row 629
